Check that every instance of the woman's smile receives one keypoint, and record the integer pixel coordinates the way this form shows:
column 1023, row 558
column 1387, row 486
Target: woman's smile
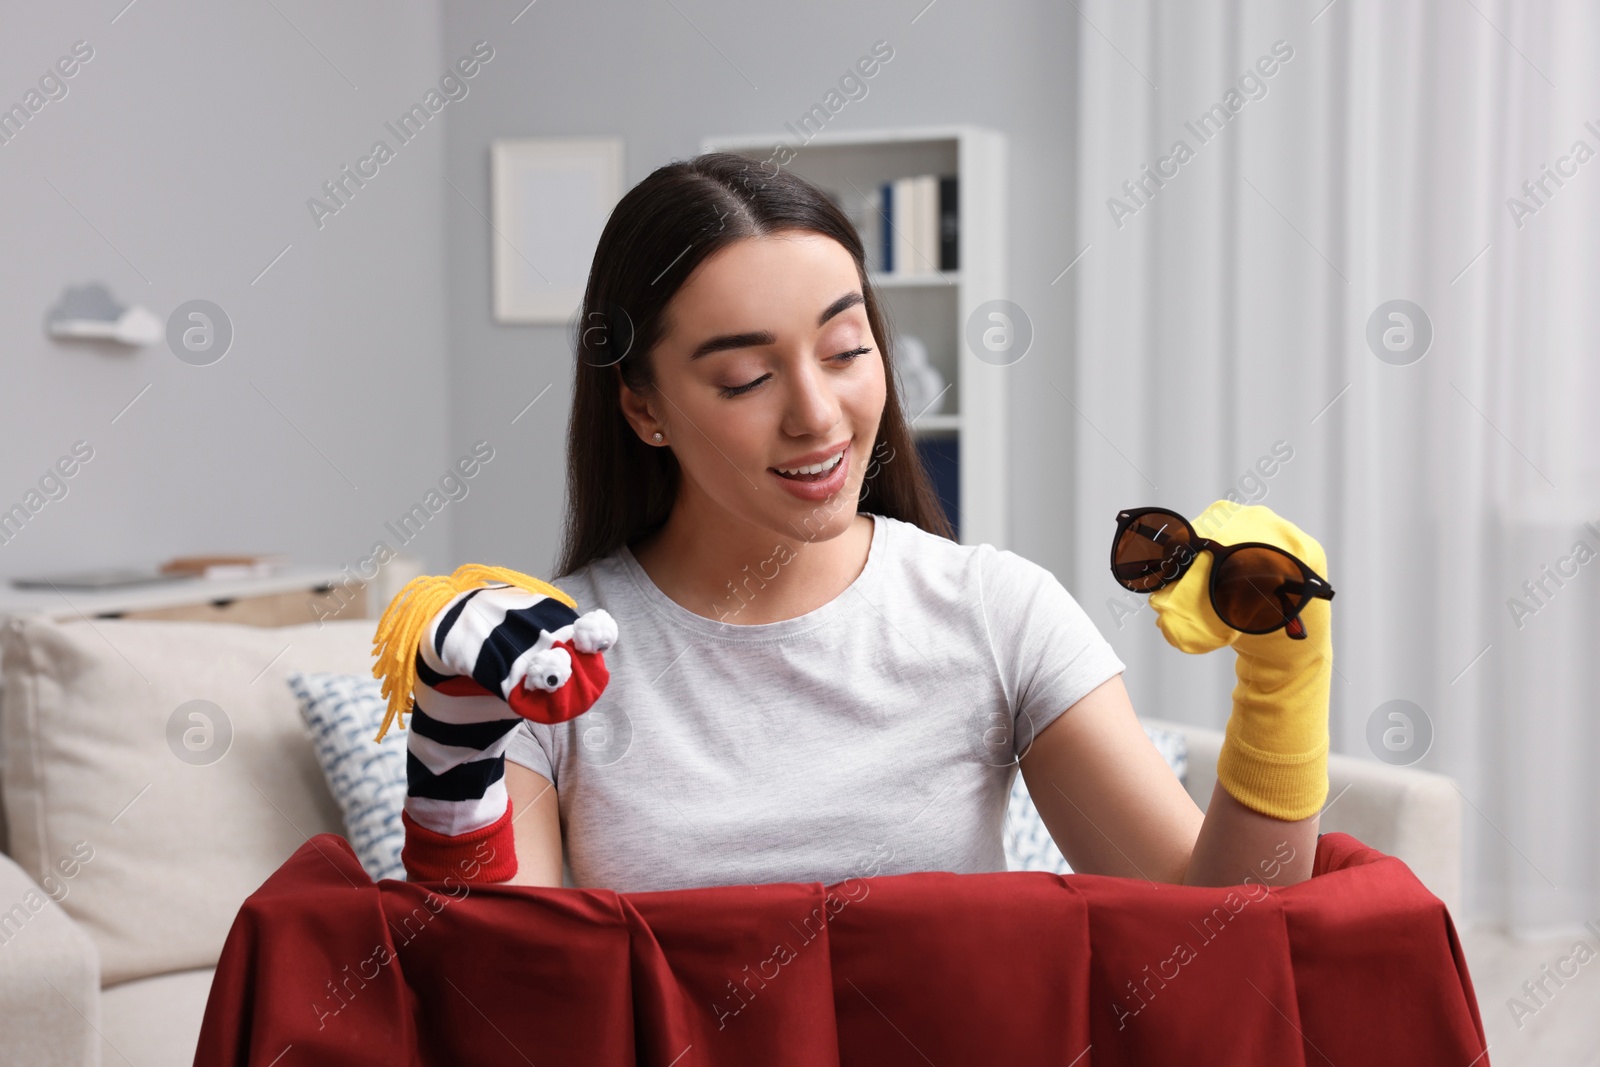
column 815, row 484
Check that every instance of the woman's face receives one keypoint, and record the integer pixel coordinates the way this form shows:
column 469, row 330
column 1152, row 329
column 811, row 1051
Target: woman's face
column 768, row 362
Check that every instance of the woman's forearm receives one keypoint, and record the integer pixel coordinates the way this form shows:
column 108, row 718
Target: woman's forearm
column 1237, row 844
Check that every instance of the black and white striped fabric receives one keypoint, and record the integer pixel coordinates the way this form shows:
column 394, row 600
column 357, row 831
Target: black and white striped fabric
column 493, row 656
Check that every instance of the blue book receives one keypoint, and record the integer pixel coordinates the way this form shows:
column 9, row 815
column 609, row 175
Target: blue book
column 949, row 223
column 941, row 458
column 886, row 196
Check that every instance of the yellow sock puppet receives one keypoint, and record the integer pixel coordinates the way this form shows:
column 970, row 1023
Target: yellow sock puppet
column 1274, row 758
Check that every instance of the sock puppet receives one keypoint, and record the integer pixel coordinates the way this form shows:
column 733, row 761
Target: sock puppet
column 471, row 656
column 1274, row 757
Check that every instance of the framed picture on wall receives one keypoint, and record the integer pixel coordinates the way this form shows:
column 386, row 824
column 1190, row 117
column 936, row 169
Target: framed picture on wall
column 550, row 199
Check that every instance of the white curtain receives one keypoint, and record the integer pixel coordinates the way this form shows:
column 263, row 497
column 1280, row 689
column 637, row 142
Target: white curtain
column 1226, row 310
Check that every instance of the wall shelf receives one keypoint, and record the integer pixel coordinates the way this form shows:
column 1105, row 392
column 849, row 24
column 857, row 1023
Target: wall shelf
column 293, row 596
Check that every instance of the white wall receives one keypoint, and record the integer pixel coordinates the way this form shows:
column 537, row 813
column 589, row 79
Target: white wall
column 178, row 166
column 365, row 362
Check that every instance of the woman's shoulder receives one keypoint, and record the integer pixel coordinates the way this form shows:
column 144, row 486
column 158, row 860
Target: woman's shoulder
column 589, row 583
column 987, row 570
column 928, row 550
column 929, row 560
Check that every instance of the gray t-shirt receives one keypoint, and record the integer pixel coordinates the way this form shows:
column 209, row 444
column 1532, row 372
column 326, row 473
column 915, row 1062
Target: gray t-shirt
column 878, row 734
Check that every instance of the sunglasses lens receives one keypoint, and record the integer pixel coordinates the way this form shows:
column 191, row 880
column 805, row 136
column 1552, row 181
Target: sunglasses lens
column 1258, row 590
column 1151, row 552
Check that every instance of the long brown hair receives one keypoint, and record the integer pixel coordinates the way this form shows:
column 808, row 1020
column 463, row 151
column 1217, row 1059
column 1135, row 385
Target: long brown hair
column 619, row 489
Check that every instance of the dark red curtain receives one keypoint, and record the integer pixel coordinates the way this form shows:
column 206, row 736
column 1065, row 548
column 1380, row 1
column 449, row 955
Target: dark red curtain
column 1359, row 965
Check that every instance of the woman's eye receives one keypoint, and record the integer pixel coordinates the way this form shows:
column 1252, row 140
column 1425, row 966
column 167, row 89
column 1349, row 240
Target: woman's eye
column 738, row 390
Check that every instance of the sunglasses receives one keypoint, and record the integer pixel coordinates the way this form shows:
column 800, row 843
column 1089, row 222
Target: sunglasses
column 1256, row 588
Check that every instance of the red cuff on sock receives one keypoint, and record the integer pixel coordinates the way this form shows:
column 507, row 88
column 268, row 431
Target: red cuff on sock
column 487, row 854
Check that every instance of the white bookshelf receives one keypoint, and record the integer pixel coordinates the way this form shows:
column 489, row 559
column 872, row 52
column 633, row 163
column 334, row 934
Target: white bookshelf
column 934, row 307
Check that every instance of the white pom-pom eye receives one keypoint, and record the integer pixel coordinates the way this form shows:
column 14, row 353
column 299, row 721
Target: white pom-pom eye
column 594, row 631
column 548, row 670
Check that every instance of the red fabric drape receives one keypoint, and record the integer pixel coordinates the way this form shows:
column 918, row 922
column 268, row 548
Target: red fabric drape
column 1358, row 965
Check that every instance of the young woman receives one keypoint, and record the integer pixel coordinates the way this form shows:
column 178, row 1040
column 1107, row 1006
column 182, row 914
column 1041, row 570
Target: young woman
column 812, row 680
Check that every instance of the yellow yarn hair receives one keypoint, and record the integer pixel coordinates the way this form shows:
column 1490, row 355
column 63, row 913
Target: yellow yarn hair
column 406, row 619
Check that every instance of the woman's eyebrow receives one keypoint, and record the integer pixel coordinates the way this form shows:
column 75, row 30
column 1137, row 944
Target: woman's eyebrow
column 766, row 337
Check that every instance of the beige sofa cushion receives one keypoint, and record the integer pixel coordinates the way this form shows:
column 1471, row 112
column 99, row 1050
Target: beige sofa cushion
column 155, row 1022
column 175, row 835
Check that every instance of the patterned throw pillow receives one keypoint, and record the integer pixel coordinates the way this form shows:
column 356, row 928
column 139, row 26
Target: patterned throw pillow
column 342, row 713
column 1029, row 846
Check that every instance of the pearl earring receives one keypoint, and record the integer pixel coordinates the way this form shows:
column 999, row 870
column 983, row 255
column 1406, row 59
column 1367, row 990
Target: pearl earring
column 658, row 437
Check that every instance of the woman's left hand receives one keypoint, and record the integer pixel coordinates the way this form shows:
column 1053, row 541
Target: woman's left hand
column 1275, row 755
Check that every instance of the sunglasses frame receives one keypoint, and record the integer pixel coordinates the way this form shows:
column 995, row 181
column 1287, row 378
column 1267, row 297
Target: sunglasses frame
column 1316, row 585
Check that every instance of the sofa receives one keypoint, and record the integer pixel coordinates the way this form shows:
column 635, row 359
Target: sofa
column 154, row 774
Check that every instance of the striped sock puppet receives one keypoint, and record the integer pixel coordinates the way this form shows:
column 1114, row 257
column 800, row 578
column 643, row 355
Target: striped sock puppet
column 470, row 656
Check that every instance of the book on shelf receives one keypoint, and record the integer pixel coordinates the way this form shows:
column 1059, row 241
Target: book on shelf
column 949, row 230
column 941, row 458
column 919, row 225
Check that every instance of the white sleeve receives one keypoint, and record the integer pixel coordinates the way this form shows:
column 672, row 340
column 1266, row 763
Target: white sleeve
column 530, row 747
column 1049, row 653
